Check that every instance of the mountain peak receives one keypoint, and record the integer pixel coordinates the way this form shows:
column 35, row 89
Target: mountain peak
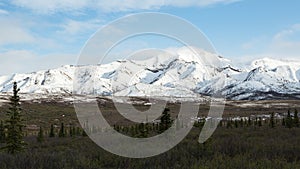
column 271, row 63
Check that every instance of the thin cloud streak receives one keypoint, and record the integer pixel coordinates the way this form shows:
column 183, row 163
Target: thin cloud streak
column 107, row 6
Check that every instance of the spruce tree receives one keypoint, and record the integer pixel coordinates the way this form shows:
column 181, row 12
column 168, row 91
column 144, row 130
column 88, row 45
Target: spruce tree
column 78, row 131
column 256, row 121
column 143, row 133
column 260, row 122
column 165, row 120
column 283, row 122
column 236, row 123
column 296, row 118
column 51, row 134
column 220, row 124
column 157, row 127
column 228, row 125
column 249, row 121
column 2, row 132
column 62, row 130
column 132, row 131
column 73, row 131
column 242, row 122
column 289, row 120
column 14, row 125
column 272, row 122
column 84, row 134
column 40, row 137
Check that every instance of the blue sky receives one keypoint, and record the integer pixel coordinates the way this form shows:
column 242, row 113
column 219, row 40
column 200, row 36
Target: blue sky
column 46, row 34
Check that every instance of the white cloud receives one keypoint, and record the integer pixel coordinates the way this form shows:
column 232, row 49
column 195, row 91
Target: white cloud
column 282, row 45
column 22, row 61
column 52, row 6
column 13, row 32
column 253, row 43
column 21, row 31
column 3, row 12
column 287, row 32
column 286, row 43
column 46, row 6
column 201, row 3
column 72, row 27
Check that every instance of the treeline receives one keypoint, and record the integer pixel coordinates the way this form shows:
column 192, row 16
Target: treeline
column 143, row 130
column 71, row 131
column 242, row 147
column 289, row 121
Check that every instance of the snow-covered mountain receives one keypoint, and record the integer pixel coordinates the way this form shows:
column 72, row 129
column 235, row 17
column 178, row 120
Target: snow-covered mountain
column 266, row 79
column 181, row 74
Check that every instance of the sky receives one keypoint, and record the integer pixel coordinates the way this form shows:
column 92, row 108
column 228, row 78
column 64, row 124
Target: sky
column 42, row 34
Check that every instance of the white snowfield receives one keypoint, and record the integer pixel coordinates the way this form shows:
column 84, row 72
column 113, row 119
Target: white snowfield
column 183, row 74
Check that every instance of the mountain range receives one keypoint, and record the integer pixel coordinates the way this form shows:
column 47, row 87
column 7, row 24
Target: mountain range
column 183, row 73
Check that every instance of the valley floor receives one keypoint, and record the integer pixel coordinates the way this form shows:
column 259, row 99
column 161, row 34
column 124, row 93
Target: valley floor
column 234, row 148
column 247, row 146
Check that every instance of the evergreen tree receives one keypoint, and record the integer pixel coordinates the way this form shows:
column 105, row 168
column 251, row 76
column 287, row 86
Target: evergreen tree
column 272, row 122
column 62, row 130
column 266, row 121
column 236, row 124
column 40, row 137
column 157, row 127
column 283, row 122
column 296, row 118
column 143, row 130
column 136, row 129
column 255, row 121
column 14, row 125
column 117, row 128
column 72, row 130
column 220, row 124
column 84, row 134
column 249, row 121
column 242, row 122
column 165, row 120
column 260, row 122
column 289, row 120
column 149, row 127
column 78, row 132
column 132, row 131
column 51, row 134
column 228, row 124
column 2, row 132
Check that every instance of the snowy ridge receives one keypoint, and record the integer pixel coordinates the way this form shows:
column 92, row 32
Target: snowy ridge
column 182, row 74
